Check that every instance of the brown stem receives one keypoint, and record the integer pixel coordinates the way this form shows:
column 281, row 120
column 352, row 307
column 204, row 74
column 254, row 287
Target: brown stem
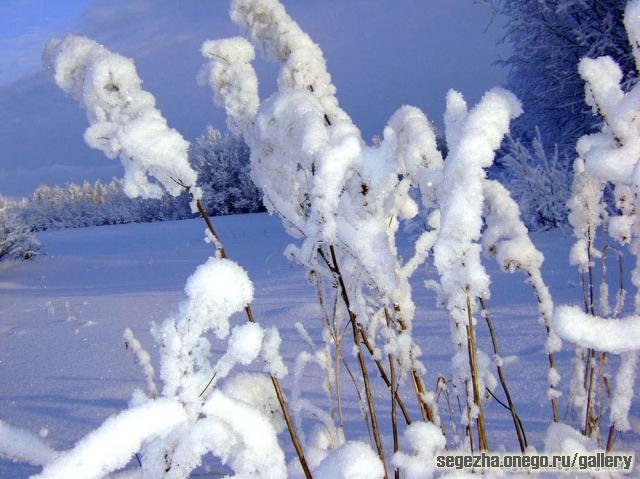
column 473, row 366
column 384, row 376
column 361, row 362
column 360, row 400
column 589, row 418
column 276, row 383
column 522, row 438
column 393, row 390
column 589, row 371
column 550, row 355
column 452, row 421
column 611, row 437
column 327, row 327
column 418, row 385
column 469, row 423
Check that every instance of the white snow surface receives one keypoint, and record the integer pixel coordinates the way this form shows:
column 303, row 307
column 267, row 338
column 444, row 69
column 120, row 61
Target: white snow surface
column 63, row 365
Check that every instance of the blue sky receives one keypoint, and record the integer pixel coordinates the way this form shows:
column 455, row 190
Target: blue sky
column 25, row 25
column 381, row 54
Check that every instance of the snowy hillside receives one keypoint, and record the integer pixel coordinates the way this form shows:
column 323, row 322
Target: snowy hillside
column 64, row 368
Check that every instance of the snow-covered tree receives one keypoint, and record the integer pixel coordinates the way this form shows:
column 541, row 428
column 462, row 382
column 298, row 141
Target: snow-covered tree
column 547, row 39
column 539, row 182
column 222, row 163
column 79, row 206
column 16, row 240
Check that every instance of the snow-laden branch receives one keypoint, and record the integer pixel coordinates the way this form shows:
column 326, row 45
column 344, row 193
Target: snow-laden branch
column 618, row 336
column 608, row 157
column 233, row 80
column 215, row 291
column 282, row 40
column 23, row 446
column 124, row 121
column 113, row 444
column 143, row 359
column 473, row 139
column 507, row 238
column 610, row 335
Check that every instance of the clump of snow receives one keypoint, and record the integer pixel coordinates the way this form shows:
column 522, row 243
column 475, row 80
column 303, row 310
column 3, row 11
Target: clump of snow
column 424, row 440
column 303, row 65
column 215, row 291
column 143, row 359
column 23, row 446
column 611, row 335
column 353, row 460
column 623, row 391
column 233, row 80
column 244, row 346
column 124, row 121
column 563, row 439
column 239, row 434
column 257, row 390
column 274, row 365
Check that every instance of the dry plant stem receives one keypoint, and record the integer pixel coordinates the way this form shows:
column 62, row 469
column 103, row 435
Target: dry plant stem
column 589, row 373
column 589, row 419
column 550, row 357
column 517, row 423
column 448, row 400
column 276, row 384
column 394, row 388
column 338, row 388
column 601, row 366
column 469, row 423
column 394, row 414
column 361, row 402
column 336, row 377
column 611, row 437
column 603, row 357
column 418, row 385
column 384, row 376
column 361, row 362
column 473, row 366
column 378, row 363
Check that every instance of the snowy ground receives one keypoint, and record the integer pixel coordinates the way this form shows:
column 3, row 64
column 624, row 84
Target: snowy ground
column 63, row 366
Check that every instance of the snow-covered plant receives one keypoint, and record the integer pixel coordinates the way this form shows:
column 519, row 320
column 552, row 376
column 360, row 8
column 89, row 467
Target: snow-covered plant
column 425, row 441
column 344, row 201
column 124, row 121
column 192, row 416
column 609, row 157
column 472, row 139
column 506, row 238
column 16, row 240
column 538, row 181
column 342, row 198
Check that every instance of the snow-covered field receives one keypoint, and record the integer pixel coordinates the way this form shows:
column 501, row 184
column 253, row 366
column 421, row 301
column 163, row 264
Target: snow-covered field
column 64, row 369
